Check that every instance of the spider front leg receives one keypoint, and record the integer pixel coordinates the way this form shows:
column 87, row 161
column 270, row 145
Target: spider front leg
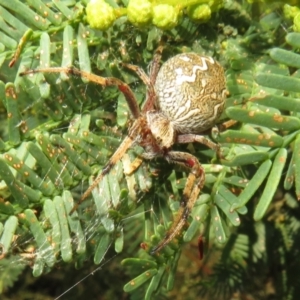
column 154, row 66
column 151, row 95
column 103, row 81
column 193, row 186
column 149, row 81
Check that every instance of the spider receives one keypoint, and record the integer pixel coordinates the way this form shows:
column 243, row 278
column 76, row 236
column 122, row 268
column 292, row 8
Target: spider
column 184, row 98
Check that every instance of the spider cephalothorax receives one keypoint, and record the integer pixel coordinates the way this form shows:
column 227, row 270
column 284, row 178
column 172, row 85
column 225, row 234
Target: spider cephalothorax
column 184, row 97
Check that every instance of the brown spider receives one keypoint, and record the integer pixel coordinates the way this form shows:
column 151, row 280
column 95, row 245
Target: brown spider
column 184, row 97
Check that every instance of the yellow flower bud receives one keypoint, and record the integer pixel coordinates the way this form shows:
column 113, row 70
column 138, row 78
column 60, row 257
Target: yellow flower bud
column 289, row 11
column 296, row 26
column 199, row 13
column 165, row 16
column 139, row 12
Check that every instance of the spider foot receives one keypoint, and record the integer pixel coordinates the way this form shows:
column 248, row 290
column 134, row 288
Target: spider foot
column 220, row 155
column 163, row 244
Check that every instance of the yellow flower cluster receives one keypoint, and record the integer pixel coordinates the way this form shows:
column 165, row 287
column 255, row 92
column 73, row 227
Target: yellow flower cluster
column 164, row 14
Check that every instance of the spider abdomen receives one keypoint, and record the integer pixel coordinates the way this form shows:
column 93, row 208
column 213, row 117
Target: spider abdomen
column 191, row 92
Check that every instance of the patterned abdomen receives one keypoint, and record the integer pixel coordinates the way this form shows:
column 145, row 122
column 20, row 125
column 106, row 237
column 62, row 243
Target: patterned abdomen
column 191, row 92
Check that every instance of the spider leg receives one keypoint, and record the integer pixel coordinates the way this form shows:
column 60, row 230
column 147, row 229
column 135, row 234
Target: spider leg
column 193, row 186
column 149, row 80
column 125, row 145
column 192, row 138
column 225, row 125
column 137, row 162
column 148, row 105
column 133, row 166
column 104, row 81
column 154, row 67
column 141, row 73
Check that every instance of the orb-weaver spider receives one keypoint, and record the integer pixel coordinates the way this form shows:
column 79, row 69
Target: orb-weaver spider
column 184, row 97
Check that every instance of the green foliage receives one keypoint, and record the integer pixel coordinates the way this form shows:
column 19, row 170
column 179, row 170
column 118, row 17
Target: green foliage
column 57, row 132
column 9, row 273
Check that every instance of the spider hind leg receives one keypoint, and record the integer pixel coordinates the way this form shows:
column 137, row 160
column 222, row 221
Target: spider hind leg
column 193, row 186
